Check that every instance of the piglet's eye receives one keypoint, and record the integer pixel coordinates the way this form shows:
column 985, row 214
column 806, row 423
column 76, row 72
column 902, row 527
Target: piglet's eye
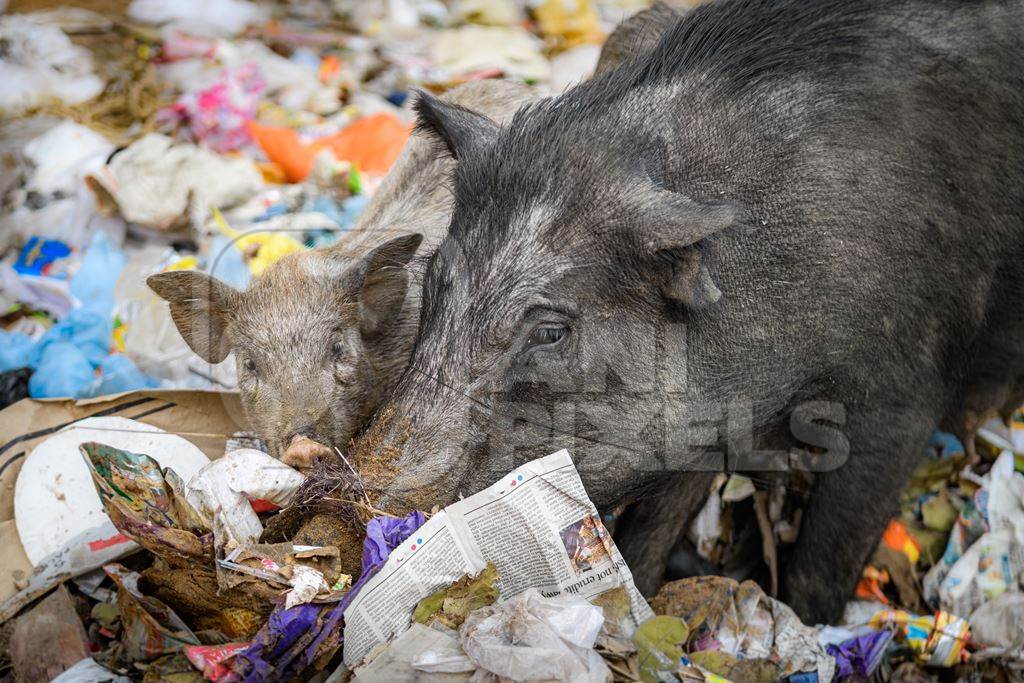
column 544, row 335
column 338, row 349
column 249, row 364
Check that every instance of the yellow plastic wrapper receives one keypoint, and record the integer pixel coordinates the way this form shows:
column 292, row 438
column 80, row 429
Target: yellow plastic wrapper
column 938, row 639
column 569, row 22
column 262, row 248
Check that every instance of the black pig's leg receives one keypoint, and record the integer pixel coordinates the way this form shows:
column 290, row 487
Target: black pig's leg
column 648, row 530
column 849, row 509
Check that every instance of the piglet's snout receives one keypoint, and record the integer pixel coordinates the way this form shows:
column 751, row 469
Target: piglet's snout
column 303, row 452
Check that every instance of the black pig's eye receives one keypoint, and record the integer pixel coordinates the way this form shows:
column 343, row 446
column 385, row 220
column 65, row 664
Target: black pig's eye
column 547, row 334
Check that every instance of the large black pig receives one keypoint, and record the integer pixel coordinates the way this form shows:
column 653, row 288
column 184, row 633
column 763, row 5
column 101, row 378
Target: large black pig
column 794, row 224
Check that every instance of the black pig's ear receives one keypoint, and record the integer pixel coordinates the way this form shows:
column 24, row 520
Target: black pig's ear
column 671, row 227
column 385, row 281
column 461, row 131
column 200, row 308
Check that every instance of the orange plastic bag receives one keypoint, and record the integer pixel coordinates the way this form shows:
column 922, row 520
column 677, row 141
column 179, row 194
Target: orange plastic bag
column 371, row 143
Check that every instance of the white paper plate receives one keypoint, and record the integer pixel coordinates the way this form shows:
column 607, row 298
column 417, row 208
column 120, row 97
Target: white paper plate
column 54, row 497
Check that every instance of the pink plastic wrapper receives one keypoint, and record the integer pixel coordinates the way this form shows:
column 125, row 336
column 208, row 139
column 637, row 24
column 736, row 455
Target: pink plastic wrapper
column 213, row 660
column 217, row 115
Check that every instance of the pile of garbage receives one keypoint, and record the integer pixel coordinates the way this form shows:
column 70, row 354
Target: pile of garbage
column 941, row 597
column 152, row 558
column 150, row 539
column 218, row 136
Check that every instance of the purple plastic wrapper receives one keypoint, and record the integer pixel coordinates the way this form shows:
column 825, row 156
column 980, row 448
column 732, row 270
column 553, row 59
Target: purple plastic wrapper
column 292, row 639
column 860, row 656
column 384, row 534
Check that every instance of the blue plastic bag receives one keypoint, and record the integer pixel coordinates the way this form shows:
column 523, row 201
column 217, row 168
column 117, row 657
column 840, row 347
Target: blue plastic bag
column 15, row 350
column 118, row 373
column 62, row 370
column 227, row 264
column 93, row 284
column 87, row 330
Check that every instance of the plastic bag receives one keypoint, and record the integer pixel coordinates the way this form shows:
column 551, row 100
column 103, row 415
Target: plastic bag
column 119, row 374
column 212, row 18
column 372, row 143
column 530, row 637
column 62, row 155
column 473, row 50
column 40, row 64
column 93, row 284
column 293, row 638
column 212, row 660
column 221, row 492
column 61, row 370
column 217, row 115
column 997, row 624
column 14, row 385
column 155, row 182
column 985, row 555
column 88, row 671
column 15, row 350
column 86, row 330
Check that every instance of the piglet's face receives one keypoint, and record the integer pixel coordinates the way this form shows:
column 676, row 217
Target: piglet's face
column 308, row 338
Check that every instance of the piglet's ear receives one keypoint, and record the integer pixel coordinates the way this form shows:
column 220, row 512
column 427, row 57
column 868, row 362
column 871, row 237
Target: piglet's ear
column 200, row 308
column 384, row 283
column 671, row 228
column 461, row 131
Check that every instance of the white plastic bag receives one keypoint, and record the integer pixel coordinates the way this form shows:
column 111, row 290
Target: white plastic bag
column 40, row 64
column 533, row 638
column 209, row 18
column 221, row 492
column 155, row 182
